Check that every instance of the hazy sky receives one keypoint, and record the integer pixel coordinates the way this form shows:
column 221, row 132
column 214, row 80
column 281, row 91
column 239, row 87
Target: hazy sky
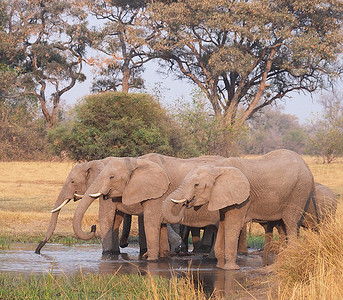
column 299, row 104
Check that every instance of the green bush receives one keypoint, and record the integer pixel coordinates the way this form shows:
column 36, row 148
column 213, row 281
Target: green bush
column 119, row 124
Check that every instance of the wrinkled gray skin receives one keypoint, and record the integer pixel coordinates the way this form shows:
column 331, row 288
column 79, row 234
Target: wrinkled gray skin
column 78, row 180
column 142, row 184
column 326, row 205
column 276, row 186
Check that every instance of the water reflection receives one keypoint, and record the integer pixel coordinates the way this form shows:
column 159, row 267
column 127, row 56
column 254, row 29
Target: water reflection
column 69, row 260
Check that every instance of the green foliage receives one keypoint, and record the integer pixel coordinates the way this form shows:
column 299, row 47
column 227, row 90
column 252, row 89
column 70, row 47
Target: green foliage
column 211, row 135
column 118, row 124
column 326, row 129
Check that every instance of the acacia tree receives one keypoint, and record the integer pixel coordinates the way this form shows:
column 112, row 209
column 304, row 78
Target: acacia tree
column 51, row 37
column 121, row 39
column 245, row 55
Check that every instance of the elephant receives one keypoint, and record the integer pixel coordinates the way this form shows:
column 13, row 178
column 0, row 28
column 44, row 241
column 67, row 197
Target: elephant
column 277, row 186
column 136, row 186
column 77, row 182
column 324, row 208
column 75, row 185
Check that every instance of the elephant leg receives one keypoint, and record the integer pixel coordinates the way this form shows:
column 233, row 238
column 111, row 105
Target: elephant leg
column 207, row 239
column 242, row 241
column 268, row 237
column 152, row 226
column 164, row 242
column 141, row 237
column 126, row 231
column 107, row 212
column 118, row 219
column 184, row 237
column 195, row 238
column 219, row 246
column 282, row 233
column 233, row 220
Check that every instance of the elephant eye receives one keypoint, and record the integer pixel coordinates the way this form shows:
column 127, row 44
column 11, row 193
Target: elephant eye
column 112, row 177
column 73, row 181
column 196, row 185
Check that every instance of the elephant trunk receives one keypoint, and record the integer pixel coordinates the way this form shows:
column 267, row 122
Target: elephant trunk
column 80, row 211
column 62, row 198
column 50, row 231
column 169, row 207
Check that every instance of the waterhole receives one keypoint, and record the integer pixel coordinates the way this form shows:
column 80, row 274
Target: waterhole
column 59, row 259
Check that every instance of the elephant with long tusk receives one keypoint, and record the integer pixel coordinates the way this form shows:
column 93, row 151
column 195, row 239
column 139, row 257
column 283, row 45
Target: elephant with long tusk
column 77, row 182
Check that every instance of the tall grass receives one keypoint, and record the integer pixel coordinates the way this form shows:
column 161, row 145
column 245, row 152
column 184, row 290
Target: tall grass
column 99, row 287
column 312, row 267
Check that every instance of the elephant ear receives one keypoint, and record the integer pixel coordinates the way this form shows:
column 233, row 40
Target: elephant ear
column 230, row 187
column 94, row 169
column 148, row 181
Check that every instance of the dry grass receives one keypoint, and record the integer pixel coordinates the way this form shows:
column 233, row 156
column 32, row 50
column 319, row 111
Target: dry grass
column 312, row 267
column 28, row 191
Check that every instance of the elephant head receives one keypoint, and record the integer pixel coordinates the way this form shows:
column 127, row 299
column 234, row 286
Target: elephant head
column 220, row 187
column 78, row 180
column 134, row 180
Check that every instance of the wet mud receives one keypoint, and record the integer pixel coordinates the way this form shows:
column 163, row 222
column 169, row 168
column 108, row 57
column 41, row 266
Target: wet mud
column 69, row 260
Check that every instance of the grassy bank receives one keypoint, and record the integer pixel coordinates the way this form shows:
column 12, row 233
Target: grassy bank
column 98, row 287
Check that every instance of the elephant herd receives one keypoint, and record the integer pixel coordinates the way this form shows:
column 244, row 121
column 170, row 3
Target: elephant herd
column 275, row 190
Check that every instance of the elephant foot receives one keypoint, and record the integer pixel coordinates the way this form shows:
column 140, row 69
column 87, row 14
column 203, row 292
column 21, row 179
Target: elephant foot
column 142, row 252
column 123, row 245
column 164, row 253
column 153, row 260
column 229, row 266
column 208, row 259
column 109, row 253
column 203, row 249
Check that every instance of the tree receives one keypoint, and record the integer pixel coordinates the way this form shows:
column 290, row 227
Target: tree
column 22, row 132
column 272, row 130
column 198, row 120
column 249, row 54
column 51, row 39
column 119, row 124
column 326, row 129
column 122, row 40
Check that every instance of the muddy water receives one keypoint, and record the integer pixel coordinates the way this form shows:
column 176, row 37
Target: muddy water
column 59, row 259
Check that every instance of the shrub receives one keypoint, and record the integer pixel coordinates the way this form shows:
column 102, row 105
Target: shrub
column 119, row 124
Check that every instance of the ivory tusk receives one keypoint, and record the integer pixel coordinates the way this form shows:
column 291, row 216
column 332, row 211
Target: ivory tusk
column 95, row 195
column 179, row 201
column 63, row 204
column 77, row 197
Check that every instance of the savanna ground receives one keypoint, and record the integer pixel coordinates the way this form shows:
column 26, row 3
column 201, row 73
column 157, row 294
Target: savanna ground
column 28, row 191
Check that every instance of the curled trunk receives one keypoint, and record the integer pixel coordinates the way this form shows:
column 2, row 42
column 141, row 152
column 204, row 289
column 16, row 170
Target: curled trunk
column 81, row 209
column 169, row 207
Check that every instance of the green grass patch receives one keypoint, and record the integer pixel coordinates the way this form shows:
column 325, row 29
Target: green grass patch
column 7, row 239
column 255, row 241
column 98, row 287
